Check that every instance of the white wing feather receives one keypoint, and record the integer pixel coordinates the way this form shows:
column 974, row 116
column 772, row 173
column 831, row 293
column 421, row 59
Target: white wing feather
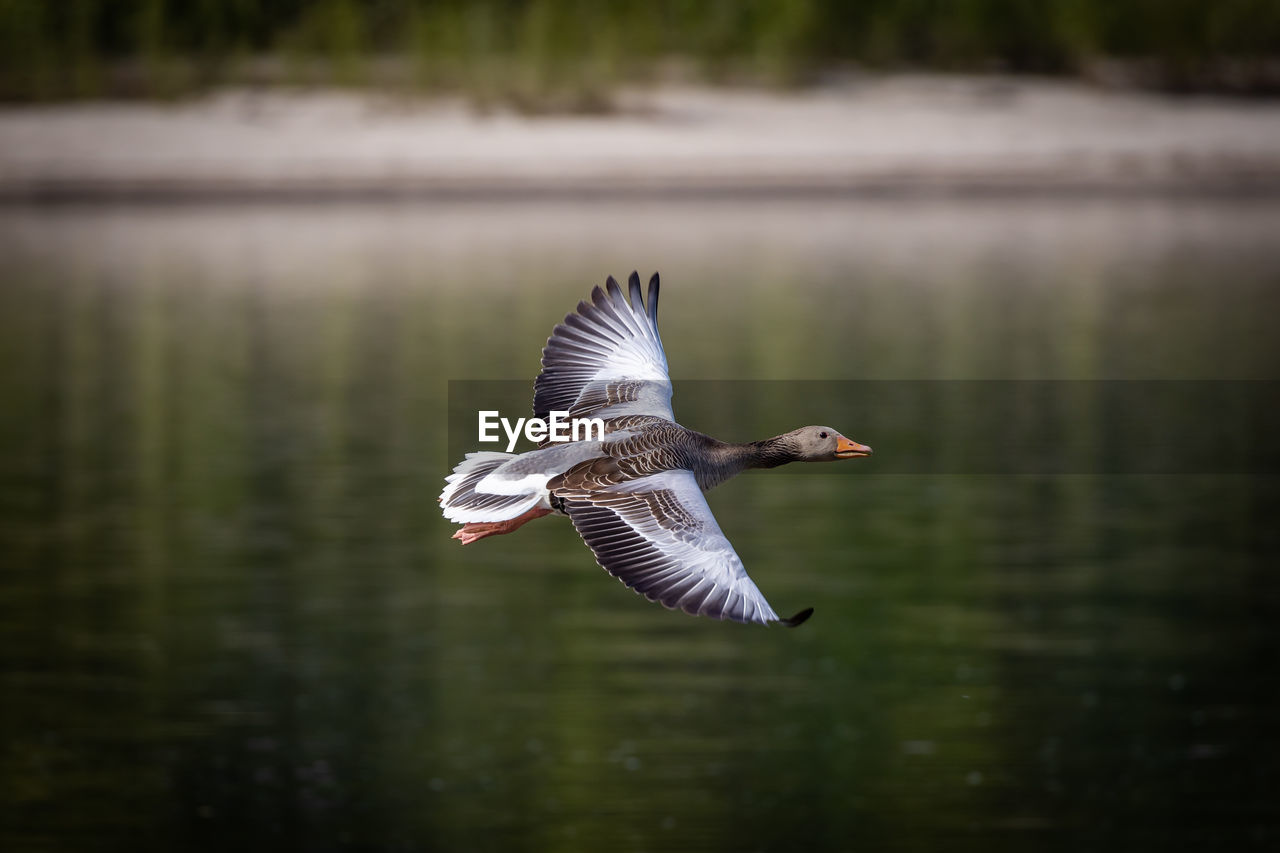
column 658, row 536
column 607, row 360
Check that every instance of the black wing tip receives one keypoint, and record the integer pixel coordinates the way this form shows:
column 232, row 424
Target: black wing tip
column 633, row 288
column 612, row 291
column 799, row 619
column 633, row 284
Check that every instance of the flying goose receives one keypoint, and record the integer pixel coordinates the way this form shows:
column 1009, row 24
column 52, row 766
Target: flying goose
column 634, row 496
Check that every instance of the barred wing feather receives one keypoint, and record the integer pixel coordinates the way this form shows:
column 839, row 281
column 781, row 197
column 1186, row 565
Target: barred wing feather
column 657, row 535
column 606, row 360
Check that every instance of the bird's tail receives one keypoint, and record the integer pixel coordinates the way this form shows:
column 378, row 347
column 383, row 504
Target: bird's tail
column 462, row 503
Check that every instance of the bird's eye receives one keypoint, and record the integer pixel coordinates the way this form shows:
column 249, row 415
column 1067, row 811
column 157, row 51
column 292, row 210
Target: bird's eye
column 822, row 435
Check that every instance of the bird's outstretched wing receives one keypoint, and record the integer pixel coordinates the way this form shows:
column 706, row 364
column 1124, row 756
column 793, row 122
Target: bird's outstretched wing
column 606, row 360
column 657, row 535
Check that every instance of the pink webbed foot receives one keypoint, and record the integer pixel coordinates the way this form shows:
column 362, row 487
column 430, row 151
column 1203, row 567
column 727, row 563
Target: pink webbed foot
column 477, row 530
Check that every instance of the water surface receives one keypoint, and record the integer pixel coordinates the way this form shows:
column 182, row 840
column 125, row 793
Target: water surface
column 230, row 609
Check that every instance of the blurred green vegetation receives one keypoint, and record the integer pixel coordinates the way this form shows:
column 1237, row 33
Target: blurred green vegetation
column 569, row 54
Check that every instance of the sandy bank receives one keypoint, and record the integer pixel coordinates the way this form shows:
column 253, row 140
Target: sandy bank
column 899, row 135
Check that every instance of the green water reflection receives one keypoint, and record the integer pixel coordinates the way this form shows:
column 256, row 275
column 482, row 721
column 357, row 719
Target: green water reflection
column 230, row 609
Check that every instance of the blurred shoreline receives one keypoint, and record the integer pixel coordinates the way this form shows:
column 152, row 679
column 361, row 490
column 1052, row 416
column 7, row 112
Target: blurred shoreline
column 900, row 135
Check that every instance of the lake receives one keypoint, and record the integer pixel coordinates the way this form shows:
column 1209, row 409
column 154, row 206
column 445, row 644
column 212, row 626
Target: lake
column 1046, row 608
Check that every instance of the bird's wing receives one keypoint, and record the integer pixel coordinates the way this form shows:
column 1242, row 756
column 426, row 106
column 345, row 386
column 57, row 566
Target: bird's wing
column 606, row 360
column 657, row 535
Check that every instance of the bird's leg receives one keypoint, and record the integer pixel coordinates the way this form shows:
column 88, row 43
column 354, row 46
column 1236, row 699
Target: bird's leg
column 477, row 530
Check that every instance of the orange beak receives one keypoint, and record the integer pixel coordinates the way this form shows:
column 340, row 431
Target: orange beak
column 846, row 449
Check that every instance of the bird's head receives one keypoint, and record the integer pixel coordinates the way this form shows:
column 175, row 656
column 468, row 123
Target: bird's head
column 823, row 444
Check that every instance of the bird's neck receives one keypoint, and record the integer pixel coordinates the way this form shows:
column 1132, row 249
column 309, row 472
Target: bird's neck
column 769, row 453
column 733, row 459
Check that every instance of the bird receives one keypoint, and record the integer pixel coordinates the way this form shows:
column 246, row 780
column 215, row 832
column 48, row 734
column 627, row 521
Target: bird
column 636, row 493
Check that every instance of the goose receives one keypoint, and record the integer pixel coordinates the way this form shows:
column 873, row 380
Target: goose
column 635, row 494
